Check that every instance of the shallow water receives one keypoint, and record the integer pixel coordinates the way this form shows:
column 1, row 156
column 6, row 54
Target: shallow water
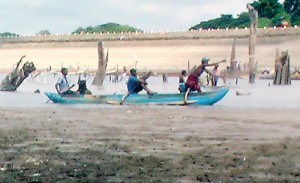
column 262, row 93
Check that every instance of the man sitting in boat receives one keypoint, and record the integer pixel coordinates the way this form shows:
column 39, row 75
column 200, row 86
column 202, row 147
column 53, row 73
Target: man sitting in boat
column 192, row 82
column 62, row 85
column 135, row 85
column 82, row 88
column 181, row 87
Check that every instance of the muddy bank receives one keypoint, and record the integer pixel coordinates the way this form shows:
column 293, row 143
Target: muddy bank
column 160, row 144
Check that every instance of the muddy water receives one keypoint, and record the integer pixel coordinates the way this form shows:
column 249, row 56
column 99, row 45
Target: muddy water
column 262, row 94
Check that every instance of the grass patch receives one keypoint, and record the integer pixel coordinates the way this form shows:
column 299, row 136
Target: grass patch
column 115, row 162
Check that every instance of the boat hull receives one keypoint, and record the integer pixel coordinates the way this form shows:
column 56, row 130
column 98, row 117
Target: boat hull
column 204, row 98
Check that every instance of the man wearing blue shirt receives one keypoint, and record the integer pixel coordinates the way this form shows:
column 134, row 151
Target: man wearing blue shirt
column 135, row 85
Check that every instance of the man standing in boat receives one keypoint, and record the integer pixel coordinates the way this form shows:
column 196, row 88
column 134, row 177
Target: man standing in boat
column 192, row 83
column 62, row 85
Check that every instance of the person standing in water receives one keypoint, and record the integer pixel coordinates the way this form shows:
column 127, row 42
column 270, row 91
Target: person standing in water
column 215, row 76
column 181, row 87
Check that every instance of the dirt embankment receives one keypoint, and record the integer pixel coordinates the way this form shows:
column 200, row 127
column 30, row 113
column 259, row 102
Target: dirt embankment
column 162, row 55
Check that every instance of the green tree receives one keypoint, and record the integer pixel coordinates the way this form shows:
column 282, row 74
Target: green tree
column 109, row 27
column 264, row 22
column 44, row 32
column 8, row 34
column 223, row 22
column 268, row 8
column 279, row 18
column 79, row 30
column 293, row 8
column 243, row 20
column 270, row 12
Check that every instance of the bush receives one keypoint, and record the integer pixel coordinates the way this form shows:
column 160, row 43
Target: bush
column 264, row 22
column 281, row 17
column 109, row 27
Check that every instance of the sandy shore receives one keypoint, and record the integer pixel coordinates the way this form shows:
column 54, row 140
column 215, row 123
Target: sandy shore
column 144, row 144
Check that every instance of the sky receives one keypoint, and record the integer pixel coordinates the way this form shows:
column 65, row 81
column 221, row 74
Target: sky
column 28, row 17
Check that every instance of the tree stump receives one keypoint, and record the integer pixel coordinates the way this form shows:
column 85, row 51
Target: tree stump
column 13, row 80
column 282, row 69
column 252, row 42
column 102, row 64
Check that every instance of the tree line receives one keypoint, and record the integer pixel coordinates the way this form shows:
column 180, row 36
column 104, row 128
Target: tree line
column 270, row 13
column 108, row 27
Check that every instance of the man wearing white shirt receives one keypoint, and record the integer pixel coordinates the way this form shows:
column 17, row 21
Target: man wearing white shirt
column 62, row 85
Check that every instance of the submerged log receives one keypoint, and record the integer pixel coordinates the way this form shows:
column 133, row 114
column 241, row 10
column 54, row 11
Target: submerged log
column 102, row 64
column 13, row 80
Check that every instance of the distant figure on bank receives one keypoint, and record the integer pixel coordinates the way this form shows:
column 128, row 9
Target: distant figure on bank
column 165, row 77
column 124, row 70
column 192, row 82
column 62, row 85
column 135, row 85
column 181, row 87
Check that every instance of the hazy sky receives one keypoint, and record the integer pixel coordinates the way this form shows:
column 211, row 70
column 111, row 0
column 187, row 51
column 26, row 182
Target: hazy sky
column 27, row 17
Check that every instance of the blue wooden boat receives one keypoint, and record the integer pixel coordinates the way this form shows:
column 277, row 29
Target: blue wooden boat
column 204, row 98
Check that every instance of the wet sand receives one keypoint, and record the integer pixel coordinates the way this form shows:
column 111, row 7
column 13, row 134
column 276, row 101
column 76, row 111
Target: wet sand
column 144, row 144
